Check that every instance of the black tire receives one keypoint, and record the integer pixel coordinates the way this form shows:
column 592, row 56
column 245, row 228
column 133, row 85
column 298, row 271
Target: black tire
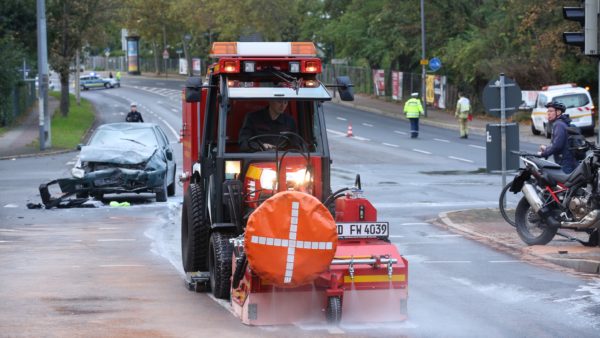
column 527, row 221
column 107, row 85
column 219, row 263
column 533, row 130
column 334, row 310
column 171, row 187
column 504, row 205
column 195, row 230
column 161, row 195
column 98, row 195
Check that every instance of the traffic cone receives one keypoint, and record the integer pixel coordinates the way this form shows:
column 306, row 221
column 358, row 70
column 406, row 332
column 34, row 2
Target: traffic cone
column 349, row 133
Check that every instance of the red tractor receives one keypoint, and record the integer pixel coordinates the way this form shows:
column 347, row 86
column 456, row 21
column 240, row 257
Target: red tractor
column 260, row 224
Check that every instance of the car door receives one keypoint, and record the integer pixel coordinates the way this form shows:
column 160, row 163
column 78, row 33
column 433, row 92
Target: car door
column 166, row 149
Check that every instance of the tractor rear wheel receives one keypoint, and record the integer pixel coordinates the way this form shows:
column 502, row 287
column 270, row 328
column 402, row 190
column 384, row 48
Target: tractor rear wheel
column 219, row 263
column 195, row 230
column 334, row 310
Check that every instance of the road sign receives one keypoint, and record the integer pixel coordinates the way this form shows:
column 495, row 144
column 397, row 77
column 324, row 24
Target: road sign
column 165, row 54
column 339, row 61
column 435, row 64
column 491, row 97
column 424, row 62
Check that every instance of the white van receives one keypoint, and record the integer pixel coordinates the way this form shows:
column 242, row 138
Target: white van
column 578, row 101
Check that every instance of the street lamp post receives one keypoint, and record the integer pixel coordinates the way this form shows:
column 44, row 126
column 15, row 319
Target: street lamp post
column 423, row 77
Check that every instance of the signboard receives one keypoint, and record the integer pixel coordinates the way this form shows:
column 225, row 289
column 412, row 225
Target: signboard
column 133, row 62
column 491, row 97
column 165, row 54
column 396, row 85
column 379, row 82
column 435, row 64
column 183, row 66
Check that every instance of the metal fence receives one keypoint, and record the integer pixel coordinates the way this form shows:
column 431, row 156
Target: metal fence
column 21, row 99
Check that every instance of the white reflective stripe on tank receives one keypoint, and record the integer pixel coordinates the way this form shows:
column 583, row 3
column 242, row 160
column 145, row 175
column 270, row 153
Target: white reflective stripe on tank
column 291, row 243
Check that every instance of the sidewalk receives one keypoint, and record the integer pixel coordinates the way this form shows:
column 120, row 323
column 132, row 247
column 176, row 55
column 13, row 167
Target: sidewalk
column 18, row 141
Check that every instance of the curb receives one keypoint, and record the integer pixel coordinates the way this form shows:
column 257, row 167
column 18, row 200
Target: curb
column 40, row 154
column 579, row 265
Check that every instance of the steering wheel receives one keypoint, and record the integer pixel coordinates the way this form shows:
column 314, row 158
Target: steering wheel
column 257, row 143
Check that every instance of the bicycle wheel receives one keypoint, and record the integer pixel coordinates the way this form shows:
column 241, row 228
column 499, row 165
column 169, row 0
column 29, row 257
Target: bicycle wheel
column 508, row 204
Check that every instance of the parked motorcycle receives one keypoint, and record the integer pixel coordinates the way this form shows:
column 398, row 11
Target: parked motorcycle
column 554, row 200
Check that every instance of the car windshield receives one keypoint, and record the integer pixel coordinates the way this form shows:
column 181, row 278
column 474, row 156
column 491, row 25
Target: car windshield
column 144, row 137
column 573, row 100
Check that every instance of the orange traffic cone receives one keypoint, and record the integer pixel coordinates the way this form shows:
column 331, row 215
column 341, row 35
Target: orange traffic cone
column 349, row 133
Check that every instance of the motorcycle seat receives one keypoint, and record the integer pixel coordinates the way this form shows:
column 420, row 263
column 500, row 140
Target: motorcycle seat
column 545, row 164
column 556, row 175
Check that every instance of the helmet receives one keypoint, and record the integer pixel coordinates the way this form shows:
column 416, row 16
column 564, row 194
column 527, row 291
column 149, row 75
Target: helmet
column 556, row 105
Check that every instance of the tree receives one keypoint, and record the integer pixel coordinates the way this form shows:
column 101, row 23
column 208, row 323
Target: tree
column 70, row 24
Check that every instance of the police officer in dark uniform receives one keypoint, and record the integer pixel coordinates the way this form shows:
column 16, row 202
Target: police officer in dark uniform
column 134, row 115
column 269, row 121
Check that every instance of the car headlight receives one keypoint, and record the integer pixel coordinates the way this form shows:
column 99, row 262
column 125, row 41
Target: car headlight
column 77, row 172
column 267, row 178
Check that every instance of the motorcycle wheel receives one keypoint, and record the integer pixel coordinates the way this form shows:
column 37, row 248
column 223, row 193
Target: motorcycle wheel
column 507, row 204
column 530, row 227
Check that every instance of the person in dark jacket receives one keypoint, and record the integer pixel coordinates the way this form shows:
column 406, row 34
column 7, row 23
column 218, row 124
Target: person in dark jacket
column 559, row 146
column 134, row 115
column 271, row 120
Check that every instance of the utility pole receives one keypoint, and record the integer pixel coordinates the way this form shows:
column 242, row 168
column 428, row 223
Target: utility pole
column 423, row 76
column 44, row 117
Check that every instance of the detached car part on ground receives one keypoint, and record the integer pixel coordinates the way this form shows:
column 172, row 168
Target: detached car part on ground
column 263, row 228
column 119, row 158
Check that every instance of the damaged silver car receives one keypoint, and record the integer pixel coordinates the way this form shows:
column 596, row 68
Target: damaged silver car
column 126, row 158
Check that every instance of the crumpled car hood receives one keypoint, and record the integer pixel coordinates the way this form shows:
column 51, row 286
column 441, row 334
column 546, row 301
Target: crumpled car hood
column 115, row 154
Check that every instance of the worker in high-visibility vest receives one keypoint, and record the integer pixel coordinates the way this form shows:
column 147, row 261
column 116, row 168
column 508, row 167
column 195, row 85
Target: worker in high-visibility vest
column 463, row 110
column 413, row 110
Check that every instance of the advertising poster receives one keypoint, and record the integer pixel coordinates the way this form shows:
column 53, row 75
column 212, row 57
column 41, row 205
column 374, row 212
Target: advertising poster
column 132, row 55
column 396, row 85
column 182, row 66
column 379, row 82
column 197, row 66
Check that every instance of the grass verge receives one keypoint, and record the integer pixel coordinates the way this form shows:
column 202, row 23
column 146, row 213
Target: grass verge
column 68, row 132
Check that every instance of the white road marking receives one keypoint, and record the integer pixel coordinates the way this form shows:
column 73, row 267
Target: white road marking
column 361, row 138
column 441, row 140
column 444, row 262
column 7, row 241
column 461, row 159
column 341, row 118
column 442, row 236
column 509, row 261
column 118, row 240
column 70, row 163
column 396, row 236
column 11, row 205
column 478, row 147
column 336, row 132
column 109, row 228
column 8, row 230
column 417, row 223
column 391, row 145
column 422, row 151
column 367, row 125
column 434, row 204
column 175, row 110
column 121, row 265
column 172, row 129
column 399, row 132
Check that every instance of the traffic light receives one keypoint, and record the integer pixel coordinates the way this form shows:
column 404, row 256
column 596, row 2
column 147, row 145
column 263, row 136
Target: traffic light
column 587, row 16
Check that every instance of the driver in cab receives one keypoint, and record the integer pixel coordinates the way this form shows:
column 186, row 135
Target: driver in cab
column 270, row 122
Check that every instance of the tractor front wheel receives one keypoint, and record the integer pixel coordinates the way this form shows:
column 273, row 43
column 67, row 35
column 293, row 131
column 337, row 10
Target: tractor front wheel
column 334, row 310
column 195, row 230
column 219, row 263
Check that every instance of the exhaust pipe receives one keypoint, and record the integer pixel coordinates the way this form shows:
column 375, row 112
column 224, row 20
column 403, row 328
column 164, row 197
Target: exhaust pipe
column 532, row 197
column 589, row 221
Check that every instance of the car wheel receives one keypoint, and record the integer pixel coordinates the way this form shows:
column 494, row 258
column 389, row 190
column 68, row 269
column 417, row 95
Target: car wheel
column 219, row 263
column 107, row 85
column 195, row 230
column 171, row 187
column 533, row 130
column 161, row 196
column 83, row 88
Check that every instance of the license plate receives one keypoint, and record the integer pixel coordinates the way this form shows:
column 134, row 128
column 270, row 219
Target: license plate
column 363, row 230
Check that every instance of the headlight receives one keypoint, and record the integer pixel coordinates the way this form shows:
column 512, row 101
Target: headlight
column 77, row 172
column 267, row 178
column 299, row 177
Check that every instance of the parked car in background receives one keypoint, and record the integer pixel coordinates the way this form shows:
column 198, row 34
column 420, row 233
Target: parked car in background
column 94, row 81
column 126, row 158
column 578, row 101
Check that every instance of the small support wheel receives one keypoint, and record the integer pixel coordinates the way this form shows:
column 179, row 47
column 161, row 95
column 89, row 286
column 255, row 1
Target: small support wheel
column 334, row 310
